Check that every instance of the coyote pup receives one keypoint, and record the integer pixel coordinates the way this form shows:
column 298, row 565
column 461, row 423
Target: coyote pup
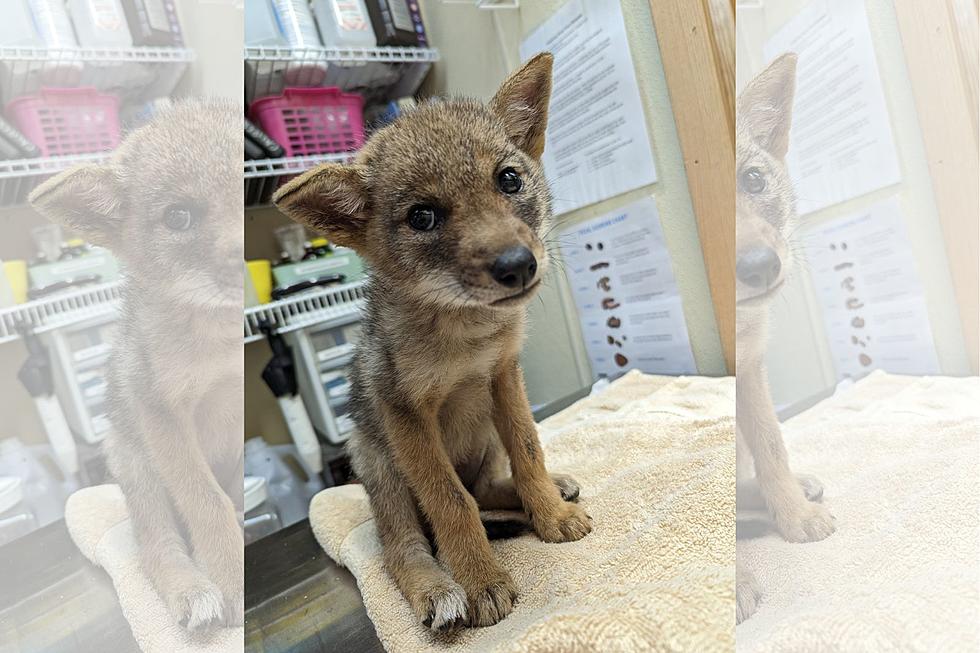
column 765, row 213
column 450, row 207
column 168, row 203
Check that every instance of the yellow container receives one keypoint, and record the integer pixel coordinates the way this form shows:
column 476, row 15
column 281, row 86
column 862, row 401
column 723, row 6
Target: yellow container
column 16, row 273
column 261, row 273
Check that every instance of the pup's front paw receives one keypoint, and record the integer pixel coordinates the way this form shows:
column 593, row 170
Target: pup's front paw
column 441, row 606
column 747, row 595
column 224, row 567
column 804, row 522
column 490, row 599
column 198, row 606
column 567, row 524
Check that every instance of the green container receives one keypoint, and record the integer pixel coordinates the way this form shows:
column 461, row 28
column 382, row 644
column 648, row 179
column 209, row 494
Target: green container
column 98, row 262
column 341, row 261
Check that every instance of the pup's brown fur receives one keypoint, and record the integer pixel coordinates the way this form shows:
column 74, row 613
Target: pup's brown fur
column 175, row 383
column 765, row 216
column 438, row 394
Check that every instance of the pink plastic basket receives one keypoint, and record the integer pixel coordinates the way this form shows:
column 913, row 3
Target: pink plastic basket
column 312, row 120
column 67, row 120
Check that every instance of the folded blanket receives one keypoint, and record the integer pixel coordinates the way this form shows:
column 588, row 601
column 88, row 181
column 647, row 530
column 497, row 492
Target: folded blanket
column 100, row 527
column 898, row 457
column 655, row 457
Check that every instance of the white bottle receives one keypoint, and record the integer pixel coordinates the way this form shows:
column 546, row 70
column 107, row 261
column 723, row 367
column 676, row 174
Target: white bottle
column 286, row 489
column 17, row 26
column 100, row 23
column 296, row 22
column 344, row 23
column 44, row 493
column 16, row 520
column 301, row 430
column 52, row 23
column 260, row 25
column 59, row 434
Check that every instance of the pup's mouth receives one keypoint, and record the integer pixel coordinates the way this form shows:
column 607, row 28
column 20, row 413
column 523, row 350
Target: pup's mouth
column 516, row 298
column 757, row 300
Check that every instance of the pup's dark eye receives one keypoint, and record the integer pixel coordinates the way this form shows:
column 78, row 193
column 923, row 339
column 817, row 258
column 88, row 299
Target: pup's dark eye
column 424, row 218
column 509, row 181
column 752, row 180
column 179, row 217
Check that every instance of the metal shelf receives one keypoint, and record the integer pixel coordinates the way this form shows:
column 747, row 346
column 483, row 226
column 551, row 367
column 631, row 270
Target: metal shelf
column 61, row 310
column 134, row 74
column 376, row 73
column 19, row 177
column 338, row 303
column 261, row 168
column 264, row 176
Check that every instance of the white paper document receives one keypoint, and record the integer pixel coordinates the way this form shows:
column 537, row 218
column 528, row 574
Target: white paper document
column 871, row 297
column 624, row 289
column 596, row 146
column 841, row 142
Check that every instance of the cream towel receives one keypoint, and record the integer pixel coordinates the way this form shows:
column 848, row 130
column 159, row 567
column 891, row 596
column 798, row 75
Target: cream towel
column 655, row 457
column 100, row 527
column 898, row 457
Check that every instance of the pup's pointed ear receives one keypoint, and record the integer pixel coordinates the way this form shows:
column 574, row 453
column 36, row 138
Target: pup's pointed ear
column 330, row 199
column 85, row 199
column 765, row 107
column 522, row 103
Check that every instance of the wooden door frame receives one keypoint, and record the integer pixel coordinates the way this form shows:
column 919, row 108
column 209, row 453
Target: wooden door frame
column 697, row 47
column 939, row 38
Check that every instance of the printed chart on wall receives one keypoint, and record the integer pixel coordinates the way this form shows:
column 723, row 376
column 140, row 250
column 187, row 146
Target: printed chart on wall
column 597, row 145
column 871, row 297
column 841, row 144
column 628, row 305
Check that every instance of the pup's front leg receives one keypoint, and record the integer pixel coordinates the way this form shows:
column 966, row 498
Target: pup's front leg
column 205, row 508
column 414, row 437
column 554, row 519
column 796, row 518
column 193, row 600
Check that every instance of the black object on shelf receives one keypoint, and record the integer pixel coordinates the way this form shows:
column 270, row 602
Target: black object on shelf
column 396, row 23
column 58, row 286
column 416, row 13
column 15, row 144
column 35, row 374
column 280, row 373
column 327, row 280
column 145, row 18
column 252, row 149
column 270, row 148
column 258, row 146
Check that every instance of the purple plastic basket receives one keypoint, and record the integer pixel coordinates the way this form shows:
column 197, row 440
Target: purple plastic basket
column 62, row 121
column 312, row 120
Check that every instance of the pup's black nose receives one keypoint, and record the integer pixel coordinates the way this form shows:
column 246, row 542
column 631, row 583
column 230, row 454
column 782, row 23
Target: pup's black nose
column 758, row 267
column 515, row 268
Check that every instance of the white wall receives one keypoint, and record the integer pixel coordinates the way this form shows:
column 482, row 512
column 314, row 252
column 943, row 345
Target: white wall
column 800, row 365
column 476, row 56
column 215, row 30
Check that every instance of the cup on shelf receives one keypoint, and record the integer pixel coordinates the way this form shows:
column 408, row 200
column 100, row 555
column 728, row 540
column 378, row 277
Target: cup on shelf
column 47, row 238
column 260, row 273
column 15, row 273
column 292, row 240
